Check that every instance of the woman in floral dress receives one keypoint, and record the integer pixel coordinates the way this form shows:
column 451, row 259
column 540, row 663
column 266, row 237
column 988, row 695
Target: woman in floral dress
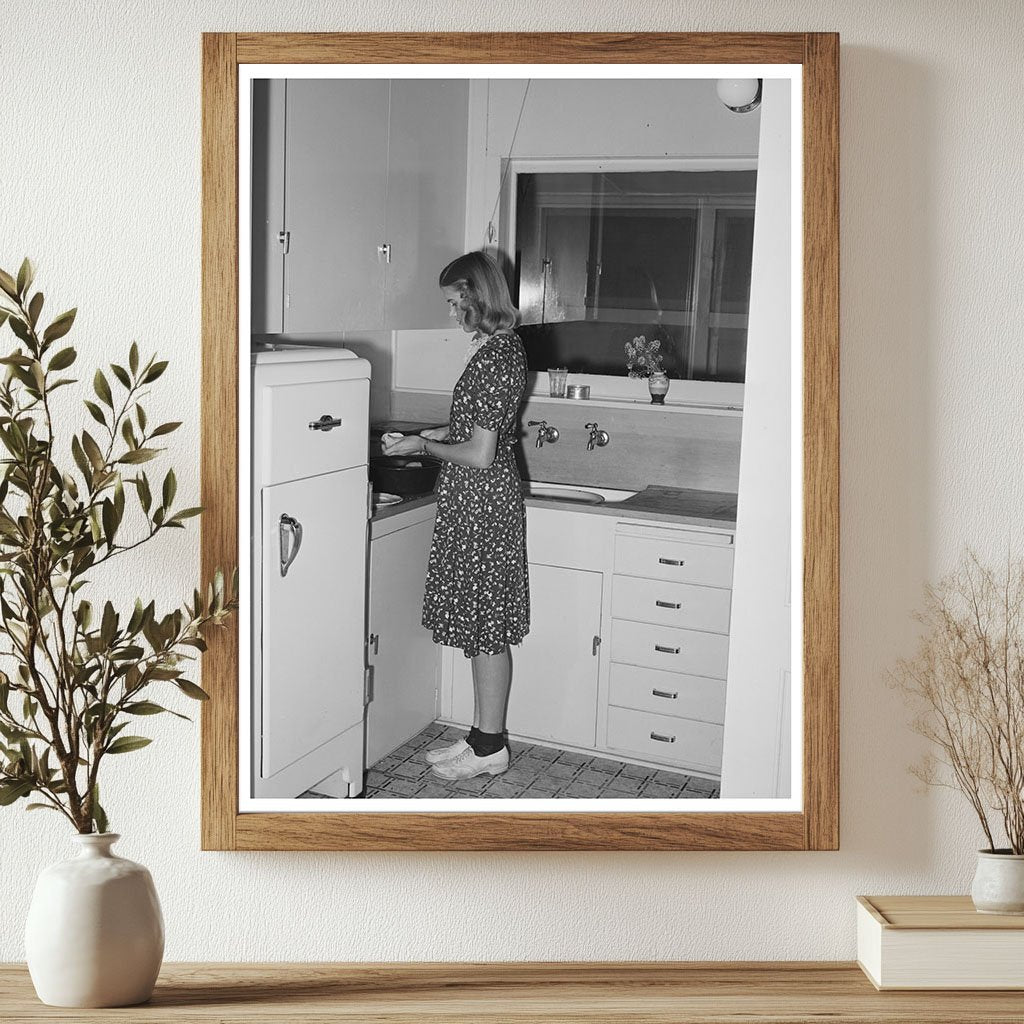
column 477, row 590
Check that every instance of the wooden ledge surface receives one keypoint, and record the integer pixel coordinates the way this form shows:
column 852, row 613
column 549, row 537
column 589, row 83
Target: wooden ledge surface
column 660, row 993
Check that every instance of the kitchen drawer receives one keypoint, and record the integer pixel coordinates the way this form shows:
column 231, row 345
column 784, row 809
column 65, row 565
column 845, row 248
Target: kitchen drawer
column 707, row 565
column 670, row 649
column 291, row 449
column 671, row 604
column 667, row 693
column 676, row 741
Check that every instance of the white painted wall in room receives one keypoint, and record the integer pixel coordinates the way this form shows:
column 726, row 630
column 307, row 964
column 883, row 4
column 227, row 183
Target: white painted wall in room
column 604, row 119
column 102, row 188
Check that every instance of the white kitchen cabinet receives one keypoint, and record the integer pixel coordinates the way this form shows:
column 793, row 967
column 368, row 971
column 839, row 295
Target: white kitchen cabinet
column 336, row 151
column 671, row 596
column 657, row 596
column 373, row 176
column 403, row 658
column 426, row 206
column 555, row 669
column 267, row 207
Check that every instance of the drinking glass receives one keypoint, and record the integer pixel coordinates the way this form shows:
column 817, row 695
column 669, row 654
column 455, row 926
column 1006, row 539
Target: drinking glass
column 556, row 381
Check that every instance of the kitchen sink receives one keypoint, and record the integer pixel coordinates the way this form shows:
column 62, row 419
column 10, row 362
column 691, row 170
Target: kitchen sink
column 554, row 492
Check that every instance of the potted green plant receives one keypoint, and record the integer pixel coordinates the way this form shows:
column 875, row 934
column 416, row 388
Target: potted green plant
column 966, row 682
column 78, row 670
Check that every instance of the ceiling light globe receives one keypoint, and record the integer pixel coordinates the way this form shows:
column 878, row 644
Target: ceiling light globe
column 739, row 94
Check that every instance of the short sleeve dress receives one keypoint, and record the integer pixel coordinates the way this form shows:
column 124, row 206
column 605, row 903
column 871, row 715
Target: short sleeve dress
column 477, row 594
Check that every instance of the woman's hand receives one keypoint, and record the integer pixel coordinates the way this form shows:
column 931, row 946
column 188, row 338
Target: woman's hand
column 436, row 433
column 405, row 446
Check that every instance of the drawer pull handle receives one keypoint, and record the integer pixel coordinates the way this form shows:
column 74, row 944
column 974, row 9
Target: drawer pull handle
column 668, row 604
column 665, row 693
column 666, row 650
column 325, row 423
column 662, row 739
column 671, row 561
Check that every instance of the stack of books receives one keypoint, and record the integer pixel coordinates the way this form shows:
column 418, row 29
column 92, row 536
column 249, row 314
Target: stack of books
column 938, row 942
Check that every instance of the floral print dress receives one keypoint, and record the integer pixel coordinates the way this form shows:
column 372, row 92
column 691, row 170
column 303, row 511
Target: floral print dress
column 477, row 592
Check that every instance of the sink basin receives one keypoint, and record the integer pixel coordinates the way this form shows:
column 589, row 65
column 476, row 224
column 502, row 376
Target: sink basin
column 575, row 494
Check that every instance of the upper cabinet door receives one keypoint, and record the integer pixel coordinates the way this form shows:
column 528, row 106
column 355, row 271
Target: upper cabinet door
column 426, row 203
column 336, row 151
column 267, row 306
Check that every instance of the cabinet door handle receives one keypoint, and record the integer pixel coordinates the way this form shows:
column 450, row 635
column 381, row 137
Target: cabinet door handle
column 374, row 640
column 289, row 528
column 325, row 423
column 662, row 739
column 671, row 561
column 668, row 604
column 595, row 645
column 665, row 693
column 666, row 650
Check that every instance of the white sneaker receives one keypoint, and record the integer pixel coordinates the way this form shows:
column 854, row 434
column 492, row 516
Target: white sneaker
column 468, row 765
column 439, row 754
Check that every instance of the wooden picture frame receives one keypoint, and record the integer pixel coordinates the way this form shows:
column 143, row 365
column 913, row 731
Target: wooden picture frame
column 816, row 826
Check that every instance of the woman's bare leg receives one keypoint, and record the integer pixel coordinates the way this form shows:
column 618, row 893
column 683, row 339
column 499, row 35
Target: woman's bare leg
column 492, row 679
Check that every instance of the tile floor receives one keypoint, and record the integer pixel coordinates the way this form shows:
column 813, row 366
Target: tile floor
column 536, row 773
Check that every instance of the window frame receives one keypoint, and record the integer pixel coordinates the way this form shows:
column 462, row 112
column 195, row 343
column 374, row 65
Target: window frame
column 708, row 394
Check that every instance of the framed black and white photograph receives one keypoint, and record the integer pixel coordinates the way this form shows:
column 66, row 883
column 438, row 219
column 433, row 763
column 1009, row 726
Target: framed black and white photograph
column 520, row 422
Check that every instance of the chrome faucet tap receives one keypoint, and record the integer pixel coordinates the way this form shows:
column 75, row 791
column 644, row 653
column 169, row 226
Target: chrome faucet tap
column 598, row 437
column 545, row 433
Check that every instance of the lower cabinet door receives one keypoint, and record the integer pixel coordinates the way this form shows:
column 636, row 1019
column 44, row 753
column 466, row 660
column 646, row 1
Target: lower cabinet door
column 403, row 656
column 313, row 614
column 555, row 669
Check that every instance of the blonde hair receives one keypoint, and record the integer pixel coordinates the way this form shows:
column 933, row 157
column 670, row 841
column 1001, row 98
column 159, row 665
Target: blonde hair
column 483, row 292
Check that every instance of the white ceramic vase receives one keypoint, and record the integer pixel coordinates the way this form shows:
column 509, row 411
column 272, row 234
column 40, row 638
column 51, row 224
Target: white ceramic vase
column 95, row 933
column 998, row 886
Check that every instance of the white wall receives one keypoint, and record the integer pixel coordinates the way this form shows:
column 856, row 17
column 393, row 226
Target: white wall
column 574, row 118
column 101, row 186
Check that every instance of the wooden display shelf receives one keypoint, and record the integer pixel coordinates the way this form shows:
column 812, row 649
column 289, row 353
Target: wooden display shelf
column 626, row 993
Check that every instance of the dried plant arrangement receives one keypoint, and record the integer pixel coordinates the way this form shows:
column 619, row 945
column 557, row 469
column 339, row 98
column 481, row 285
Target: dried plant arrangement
column 643, row 357
column 76, row 672
column 966, row 682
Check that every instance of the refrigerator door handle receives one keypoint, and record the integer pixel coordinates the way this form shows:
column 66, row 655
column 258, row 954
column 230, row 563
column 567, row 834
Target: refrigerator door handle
column 289, row 526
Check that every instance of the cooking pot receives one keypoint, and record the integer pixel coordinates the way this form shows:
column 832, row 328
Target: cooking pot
column 404, row 474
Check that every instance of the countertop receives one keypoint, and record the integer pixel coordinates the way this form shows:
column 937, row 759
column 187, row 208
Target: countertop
column 528, row 993
column 714, row 510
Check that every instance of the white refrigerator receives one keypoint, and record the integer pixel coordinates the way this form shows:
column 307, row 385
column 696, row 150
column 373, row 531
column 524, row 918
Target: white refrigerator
column 310, row 425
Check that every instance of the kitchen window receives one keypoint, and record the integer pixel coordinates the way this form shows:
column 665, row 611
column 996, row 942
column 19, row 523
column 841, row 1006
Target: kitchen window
column 602, row 256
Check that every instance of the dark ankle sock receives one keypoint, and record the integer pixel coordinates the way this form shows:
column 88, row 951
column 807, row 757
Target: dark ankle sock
column 473, row 735
column 485, row 743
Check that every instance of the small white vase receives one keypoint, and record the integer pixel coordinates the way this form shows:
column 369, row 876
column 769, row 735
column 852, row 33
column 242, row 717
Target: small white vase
column 998, row 886
column 95, row 933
